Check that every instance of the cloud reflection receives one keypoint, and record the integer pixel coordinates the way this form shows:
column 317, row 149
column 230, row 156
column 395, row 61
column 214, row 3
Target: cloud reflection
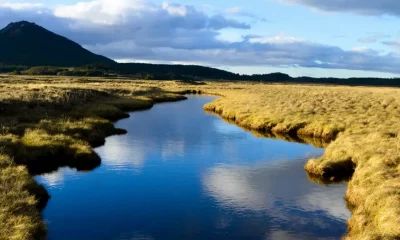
column 279, row 190
column 57, row 179
column 52, row 179
column 121, row 155
column 231, row 187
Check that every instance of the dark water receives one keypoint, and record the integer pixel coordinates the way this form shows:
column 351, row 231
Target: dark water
column 183, row 174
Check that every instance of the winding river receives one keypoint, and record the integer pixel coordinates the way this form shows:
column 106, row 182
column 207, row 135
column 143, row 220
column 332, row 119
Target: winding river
column 181, row 173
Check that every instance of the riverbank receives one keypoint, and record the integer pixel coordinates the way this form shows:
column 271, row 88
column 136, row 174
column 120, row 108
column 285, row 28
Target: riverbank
column 363, row 122
column 68, row 116
column 45, row 125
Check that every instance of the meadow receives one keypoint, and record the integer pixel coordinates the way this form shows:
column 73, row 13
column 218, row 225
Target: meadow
column 49, row 122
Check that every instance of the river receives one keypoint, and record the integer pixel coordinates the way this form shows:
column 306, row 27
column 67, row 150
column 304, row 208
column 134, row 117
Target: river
column 181, row 173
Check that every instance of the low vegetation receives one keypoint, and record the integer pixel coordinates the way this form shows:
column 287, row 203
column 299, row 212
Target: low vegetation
column 48, row 122
column 19, row 215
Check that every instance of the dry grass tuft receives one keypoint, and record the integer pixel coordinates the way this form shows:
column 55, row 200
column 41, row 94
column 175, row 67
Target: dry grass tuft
column 19, row 216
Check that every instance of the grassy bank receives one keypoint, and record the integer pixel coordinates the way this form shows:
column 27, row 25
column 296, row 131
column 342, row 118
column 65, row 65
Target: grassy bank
column 48, row 122
column 364, row 124
column 19, row 194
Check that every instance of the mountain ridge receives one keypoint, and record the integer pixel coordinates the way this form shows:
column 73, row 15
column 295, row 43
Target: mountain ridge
column 25, row 43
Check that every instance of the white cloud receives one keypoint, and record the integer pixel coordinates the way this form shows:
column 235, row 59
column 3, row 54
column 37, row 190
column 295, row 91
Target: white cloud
column 278, row 39
column 363, row 7
column 172, row 9
column 21, row 6
column 103, row 11
column 360, row 49
column 240, row 12
column 144, row 14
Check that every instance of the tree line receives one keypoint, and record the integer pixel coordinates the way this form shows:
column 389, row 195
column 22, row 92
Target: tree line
column 185, row 72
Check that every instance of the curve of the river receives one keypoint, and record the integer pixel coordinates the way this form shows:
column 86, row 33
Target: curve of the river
column 181, row 173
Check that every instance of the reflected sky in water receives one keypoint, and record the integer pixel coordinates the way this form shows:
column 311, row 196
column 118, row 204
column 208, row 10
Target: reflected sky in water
column 180, row 173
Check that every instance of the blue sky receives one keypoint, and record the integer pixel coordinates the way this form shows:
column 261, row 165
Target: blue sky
column 332, row 38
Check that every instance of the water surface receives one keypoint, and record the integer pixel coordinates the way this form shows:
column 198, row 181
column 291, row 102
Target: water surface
column 181, row 173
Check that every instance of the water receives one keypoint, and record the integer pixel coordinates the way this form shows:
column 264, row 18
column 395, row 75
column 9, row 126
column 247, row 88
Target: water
column 181, row 173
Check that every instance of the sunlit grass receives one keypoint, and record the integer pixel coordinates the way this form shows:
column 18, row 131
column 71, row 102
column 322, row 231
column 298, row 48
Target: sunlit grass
column 19, row 216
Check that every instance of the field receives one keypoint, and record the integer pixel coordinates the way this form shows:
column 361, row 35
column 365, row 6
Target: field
column 48, row 122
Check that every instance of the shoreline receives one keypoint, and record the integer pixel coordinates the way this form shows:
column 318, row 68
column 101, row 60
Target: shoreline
column 369, row 220
column 45, row 146
column 267, row 133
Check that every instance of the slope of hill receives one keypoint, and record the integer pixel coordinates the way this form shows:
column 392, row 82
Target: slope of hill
column 164, row 71
column 25, row 43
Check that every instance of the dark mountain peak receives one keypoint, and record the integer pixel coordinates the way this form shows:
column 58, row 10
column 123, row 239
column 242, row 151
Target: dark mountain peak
column 25, row 43
column 17, row 27
column 21, row 24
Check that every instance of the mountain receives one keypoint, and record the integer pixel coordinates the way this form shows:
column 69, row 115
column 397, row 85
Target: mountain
column 25, row 43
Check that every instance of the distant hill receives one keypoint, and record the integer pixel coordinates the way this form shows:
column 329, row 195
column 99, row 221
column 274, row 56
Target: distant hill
column 164, row 71
column 25, row 43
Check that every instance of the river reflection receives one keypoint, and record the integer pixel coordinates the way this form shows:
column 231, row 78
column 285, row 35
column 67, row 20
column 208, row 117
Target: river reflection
column 278, row 195
column 180, row 173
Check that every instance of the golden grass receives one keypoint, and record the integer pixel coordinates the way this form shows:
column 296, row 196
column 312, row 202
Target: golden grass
column 19, row 216
column 56, row 114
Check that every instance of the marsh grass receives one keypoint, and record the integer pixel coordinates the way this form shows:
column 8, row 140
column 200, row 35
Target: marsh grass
column 19, row 215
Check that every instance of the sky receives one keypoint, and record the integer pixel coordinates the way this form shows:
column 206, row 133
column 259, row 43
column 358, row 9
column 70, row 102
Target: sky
column 318, row 38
